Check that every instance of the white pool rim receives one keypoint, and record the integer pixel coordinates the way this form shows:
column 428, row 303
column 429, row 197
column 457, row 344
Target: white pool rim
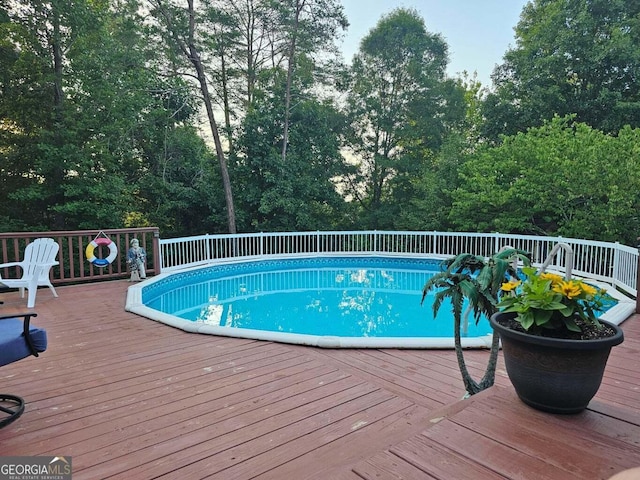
column 617, row 314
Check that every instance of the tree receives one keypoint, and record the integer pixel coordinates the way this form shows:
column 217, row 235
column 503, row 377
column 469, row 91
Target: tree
column 31, row 109
column 429, row 196
column 571, row 57
column 423, row 195
column 182, row 28
column 310, row 26
column 564, row 178
column 231, row 43
column 61, row 169
column 299, row 193
column 241, row 38
column 244, row 37
column 401, row 107
column 84, row 118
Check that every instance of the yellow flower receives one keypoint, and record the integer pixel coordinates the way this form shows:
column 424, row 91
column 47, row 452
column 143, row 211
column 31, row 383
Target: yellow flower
column 588, row 289
column 568, row 289
column 510, row 285
column 554, row 277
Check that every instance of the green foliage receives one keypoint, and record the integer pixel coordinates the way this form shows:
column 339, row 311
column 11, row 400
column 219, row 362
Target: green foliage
column 429, row 197
column 301, row 192
column 564, row 178
column 78, row 160
column 401, row 108
column 571, row 57
column 177, row 192
column 99, row 123
column 476, row 278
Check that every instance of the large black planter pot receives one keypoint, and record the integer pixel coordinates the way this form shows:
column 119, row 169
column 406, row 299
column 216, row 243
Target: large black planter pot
column 552, row 374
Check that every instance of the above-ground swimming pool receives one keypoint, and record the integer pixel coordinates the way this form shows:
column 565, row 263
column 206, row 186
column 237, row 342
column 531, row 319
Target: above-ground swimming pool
column 358, row 301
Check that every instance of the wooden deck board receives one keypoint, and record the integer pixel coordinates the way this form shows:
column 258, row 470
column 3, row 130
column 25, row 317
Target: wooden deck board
column 306, row 437
column 428, row 457
column 556, row 446
column 358, row 443
column 386, row 466
column 503, row 458
column 164, row 410
column 127, row 397
column 262, row 428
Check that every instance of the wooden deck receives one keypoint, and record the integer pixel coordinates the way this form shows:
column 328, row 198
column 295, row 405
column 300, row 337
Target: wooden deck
column 126, row 397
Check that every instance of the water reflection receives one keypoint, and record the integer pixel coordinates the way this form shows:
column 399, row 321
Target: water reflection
column 330, row 301
column 212, row 313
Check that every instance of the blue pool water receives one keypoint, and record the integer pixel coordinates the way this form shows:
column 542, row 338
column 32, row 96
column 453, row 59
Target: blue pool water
column 343, row 297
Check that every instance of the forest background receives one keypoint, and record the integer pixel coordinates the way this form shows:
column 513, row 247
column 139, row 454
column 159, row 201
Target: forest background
column 241, row 116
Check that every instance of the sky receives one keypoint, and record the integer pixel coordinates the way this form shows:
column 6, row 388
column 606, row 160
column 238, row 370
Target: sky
column 478, row 32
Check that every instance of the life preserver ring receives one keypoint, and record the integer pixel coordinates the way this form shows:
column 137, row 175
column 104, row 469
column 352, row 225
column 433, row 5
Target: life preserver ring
column 101, row 262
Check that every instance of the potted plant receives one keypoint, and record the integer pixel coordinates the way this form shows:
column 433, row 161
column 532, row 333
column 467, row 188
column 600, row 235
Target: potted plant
column 555, row 348
column 478, row 280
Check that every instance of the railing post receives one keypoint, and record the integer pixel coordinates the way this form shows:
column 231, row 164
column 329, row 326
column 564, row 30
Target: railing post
column 613, row 274
column 207, row 239
column 638, row 278
column 157, row 254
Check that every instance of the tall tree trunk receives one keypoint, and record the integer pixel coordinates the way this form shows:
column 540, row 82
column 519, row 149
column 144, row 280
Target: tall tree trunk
column 190, row 50
column 251, row 68
column 56, row 49
column 57, row 173
column 290, row 70
column 194, row 57
column 225, row 101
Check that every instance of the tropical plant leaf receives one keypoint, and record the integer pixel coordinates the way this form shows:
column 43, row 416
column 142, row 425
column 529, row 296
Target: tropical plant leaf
column 478, row 280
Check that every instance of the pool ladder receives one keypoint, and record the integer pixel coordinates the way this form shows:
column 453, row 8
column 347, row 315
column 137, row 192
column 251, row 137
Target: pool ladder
column 569, row 258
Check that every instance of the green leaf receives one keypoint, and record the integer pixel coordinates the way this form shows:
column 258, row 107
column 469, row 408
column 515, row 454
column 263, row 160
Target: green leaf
column 571, row 324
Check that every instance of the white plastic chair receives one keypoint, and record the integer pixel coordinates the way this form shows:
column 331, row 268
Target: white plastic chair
column 39, row 257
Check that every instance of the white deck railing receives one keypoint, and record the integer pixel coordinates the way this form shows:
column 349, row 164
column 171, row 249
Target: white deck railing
column 608, row 262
